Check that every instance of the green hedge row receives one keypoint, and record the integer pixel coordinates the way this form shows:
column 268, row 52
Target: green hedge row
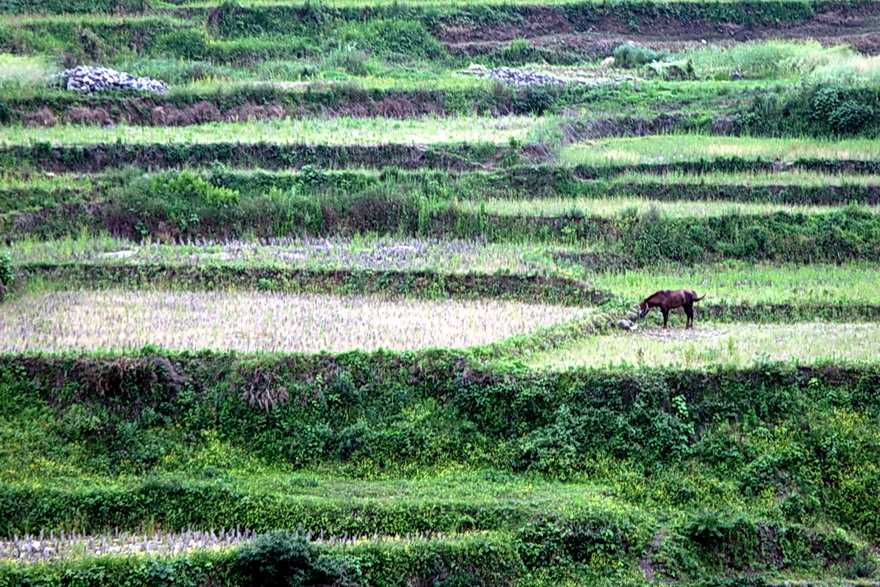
column 425, row 284
column 96, row 158
column 235, row 20
column 340, row 99
column 416, row 411
column 80, row 39
column 244, row 35
column 706, row 552
column 156, row 156
column 138, row 211
column 435, row 186
column 482, row 560
column 815, row 109
column 74, row 6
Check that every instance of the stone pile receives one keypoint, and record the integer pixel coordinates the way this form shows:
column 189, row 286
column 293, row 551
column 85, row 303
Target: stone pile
column 521, row 77
column 87, row 79
column 516, row 77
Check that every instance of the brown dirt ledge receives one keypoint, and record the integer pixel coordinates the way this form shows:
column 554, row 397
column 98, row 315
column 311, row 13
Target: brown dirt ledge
column 549, row 27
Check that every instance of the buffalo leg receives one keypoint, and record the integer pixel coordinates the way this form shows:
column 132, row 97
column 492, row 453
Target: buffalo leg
column 665, row 317
column 689, row 310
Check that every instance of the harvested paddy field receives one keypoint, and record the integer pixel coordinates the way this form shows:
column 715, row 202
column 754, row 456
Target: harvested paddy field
column 255, row 321
column 715, row 344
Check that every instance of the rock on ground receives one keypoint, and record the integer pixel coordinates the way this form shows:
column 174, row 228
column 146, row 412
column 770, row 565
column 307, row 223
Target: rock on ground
column 87, row 79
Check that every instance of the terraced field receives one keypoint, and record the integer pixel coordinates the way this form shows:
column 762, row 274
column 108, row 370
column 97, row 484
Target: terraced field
column 355, row 302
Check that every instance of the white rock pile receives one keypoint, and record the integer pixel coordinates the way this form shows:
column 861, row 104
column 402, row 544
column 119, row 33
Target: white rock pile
column 517, row 77
column 87, row 79
column 521, row 77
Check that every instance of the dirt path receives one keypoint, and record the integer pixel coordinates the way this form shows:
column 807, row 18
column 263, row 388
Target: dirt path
column 858, row 26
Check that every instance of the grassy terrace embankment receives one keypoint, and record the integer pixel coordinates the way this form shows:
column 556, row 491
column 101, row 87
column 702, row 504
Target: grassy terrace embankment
column 529, row 272
column 206, row 443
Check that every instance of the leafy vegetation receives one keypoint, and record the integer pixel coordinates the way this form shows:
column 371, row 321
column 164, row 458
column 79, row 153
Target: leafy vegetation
column 196, row 386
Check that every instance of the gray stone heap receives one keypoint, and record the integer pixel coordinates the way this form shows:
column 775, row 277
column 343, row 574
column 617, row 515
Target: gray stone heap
column 87, row 79
column 517, row 77
column 522, row 77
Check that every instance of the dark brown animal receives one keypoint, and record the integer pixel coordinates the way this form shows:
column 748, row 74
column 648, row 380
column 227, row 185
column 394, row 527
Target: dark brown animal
column 667, row 300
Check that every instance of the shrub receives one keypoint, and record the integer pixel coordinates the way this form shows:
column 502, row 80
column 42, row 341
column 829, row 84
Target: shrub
column 392, row 36
column 825, row 101
column 191, row 187
column 283, row 557
column 630, row 55
column 184, row 44
column 535, row 100
column 350, row 59
column 7, row 275
column 850, row 117
column 518, row 52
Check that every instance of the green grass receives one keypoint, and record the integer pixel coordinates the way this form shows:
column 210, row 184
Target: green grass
column 23, row 70
column 770, row 60
column 659, row 149
column 709, row 344
column 748, row 283
column 335, row 131
column 578, row 207
column 418, row 3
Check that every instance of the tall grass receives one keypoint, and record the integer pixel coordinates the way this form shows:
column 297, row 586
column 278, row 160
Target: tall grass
column 25, row 70
column 855, row 70
column 797, row 177
column 768, row 60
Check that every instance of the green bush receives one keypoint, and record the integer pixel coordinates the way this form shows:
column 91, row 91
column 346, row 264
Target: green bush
column 190, row 187
column 184, row 44
column 850, row 117
column 7, row 275
column 281, row 558
column 350, row 59
column 407, row 38
column 631, row 56
column 74, row 6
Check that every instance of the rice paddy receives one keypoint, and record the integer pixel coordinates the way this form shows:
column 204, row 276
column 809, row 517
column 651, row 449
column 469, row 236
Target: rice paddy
column 258, row 321
column 780, row 178
column 331, row 131
column 661, row 149
column 715, row 344
column 558, row 207
column 750, row 283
